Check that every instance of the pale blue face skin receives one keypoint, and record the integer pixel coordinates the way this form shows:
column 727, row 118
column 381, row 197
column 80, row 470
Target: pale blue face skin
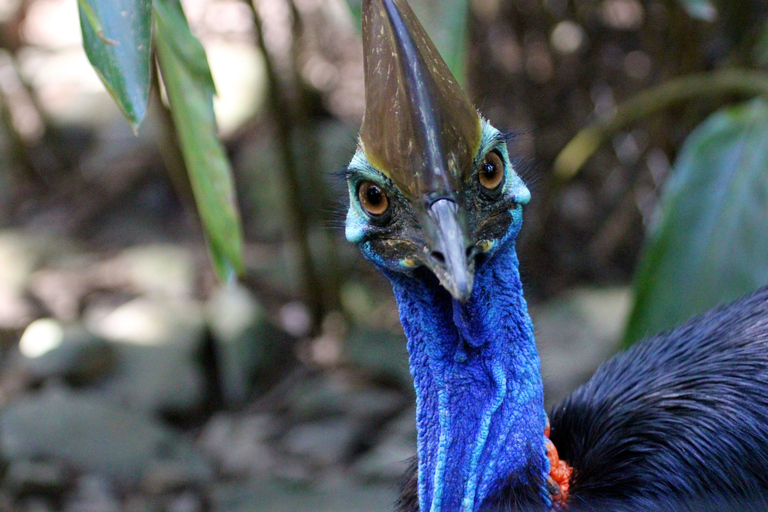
column 398, row 247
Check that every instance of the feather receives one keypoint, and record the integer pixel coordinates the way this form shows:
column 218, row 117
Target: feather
column 680, row 417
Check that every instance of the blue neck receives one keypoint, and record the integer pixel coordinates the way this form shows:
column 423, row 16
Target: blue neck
column 479, row 399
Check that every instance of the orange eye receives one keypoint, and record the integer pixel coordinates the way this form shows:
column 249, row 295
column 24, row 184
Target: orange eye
column 373, row 198
column 491, row 171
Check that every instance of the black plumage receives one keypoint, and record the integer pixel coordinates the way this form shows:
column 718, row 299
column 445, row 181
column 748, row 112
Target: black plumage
column 681, row 416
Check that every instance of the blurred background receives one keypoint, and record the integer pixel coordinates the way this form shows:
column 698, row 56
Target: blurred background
column 131, row 380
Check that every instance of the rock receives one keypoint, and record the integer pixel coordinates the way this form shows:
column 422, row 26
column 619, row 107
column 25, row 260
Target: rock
column 248, row 347
column 323, row 442
column 240, row 445
column 16, row 310
column 90, row 434
column 372, row 404
column 158, row 343
column 34, row 504
column 334, row 395
column 51, row 349
column 269, row 496
column 380, row 354
column 186, row 501
column 575, row 333
column 21, row 253
column 391, row 455
column 93, row 494
column 387, row 462
column 26, row 477
column 166, row 476
column 162, row 269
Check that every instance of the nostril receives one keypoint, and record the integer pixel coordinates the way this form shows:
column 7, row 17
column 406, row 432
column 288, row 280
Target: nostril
column 438, row 256
column 470, row 251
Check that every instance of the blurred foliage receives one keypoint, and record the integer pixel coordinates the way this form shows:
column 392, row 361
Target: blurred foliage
column 603, row 92
column 116, row 40
column 711, row 243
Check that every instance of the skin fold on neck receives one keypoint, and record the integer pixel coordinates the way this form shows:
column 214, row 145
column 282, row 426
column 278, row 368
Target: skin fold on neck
column 479, row 396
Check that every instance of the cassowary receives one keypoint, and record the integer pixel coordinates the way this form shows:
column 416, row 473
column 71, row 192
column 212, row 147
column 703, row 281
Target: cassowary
column 679, row 422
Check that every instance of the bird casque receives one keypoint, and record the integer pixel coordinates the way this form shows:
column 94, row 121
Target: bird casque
column 678, row 422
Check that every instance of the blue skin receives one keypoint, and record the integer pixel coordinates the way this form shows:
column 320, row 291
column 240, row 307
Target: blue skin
column 479, row 396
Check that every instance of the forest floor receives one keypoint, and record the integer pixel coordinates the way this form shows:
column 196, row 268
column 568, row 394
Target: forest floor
column 129, row 384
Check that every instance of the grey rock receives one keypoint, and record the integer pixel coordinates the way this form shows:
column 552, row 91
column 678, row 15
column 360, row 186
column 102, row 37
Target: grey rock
column 270, row 496
column 93, row 493
column 160, row 269
column 372, row 403
column 51, row 349
column 381, row 354
column 386, row 462
column 34, row 504
column 247, row 344
column 323, row 442
column 27, row 477
column 575, row 333
column 21, row 253
column 158, row 343
column 187, row 501
column 335, row 395
column 90, row 434
column 389, row 458
column 240, row 444
column 166, row 476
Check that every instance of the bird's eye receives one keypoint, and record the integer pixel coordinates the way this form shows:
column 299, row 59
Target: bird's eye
column 491, row 172
column 373, row 199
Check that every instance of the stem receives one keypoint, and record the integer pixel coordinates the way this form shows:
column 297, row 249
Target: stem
column 588, row 140
column 282, row 113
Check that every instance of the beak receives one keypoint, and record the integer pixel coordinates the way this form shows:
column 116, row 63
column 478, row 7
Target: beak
column 422, row 132
column 450, row 258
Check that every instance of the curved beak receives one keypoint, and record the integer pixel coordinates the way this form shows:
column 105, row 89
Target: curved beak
column 450, row 258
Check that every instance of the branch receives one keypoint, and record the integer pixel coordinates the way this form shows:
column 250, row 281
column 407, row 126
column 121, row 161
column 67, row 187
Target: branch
column 588, row 140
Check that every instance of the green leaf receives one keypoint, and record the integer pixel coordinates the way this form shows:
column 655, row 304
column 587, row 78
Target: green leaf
column 446, row 22
column 189, row 86
column 703, row 10
column 711, row 242
column 117, row 41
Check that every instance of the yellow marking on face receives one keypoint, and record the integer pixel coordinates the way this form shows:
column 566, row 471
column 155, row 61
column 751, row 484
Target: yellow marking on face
column 409, row 262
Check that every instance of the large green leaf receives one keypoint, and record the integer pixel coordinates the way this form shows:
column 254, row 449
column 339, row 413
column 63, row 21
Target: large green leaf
column 711, row 242
column 117, row 41
column 189, row 86
column 446, row 22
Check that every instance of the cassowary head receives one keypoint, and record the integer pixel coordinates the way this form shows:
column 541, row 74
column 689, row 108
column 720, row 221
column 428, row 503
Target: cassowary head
column 431, row 183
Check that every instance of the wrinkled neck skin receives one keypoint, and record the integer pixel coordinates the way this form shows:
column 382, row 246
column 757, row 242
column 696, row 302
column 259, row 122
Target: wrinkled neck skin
column 479, row 400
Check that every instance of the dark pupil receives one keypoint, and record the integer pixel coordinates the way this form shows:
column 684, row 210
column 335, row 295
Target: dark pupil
column 489, row 170
column 373, row 195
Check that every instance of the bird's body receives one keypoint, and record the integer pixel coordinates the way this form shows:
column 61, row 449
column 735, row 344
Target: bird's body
column 436, row 205
column 678, row 422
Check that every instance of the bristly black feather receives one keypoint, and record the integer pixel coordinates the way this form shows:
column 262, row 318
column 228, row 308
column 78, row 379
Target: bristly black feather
column 409, row 489
column 680, row 418
column 337, row 212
